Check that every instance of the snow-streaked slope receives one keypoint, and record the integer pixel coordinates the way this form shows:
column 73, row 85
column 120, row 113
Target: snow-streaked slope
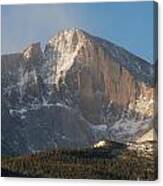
column 125, row 130
column 151, row 135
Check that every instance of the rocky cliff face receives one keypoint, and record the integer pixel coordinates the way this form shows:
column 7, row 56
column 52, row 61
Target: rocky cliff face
column 87, row 87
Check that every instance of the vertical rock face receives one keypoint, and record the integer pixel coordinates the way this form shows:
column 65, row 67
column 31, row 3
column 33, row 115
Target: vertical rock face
column 21, row 75
column 100, row 73
column 91, row 81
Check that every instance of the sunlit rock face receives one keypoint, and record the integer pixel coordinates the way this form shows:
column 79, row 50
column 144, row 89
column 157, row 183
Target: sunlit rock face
column 100, row 73
column 102, row 89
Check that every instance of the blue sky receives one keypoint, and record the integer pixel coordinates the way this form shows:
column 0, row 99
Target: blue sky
column 127, row 24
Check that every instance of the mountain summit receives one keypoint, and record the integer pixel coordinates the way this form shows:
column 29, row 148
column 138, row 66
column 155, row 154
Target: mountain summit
column 79, row 89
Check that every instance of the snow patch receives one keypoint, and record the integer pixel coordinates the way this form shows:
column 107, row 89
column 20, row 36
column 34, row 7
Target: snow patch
column 23, row 117
column 63, row 106
column 21, row 111
column 101, row 143
column 101, row 127
column 46, row 104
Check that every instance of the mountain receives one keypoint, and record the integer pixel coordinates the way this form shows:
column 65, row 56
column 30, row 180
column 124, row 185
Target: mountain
column 80, row 89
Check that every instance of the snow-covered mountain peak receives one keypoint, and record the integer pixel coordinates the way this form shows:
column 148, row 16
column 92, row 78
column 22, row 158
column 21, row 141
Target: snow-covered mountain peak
column 69, row 35
column 62, row 50
column 73, row 42
column 89, row 88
